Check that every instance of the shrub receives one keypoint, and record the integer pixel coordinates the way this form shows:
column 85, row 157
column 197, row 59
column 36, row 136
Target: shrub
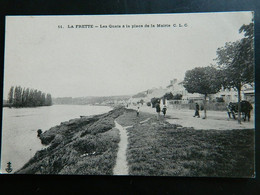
column 177, row 97
column 220, row 99
column 168, row 96
column 154, row 101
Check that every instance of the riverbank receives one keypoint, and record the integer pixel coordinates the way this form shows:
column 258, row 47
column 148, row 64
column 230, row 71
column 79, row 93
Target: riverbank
column 86, row 145
column 90, row 145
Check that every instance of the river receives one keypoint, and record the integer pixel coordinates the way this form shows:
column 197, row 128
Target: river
column 20, row 125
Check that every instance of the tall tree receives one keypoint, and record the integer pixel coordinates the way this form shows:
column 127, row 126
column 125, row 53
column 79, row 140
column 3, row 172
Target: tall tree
column 35, row 97
column 11, row 95
column 39, row 97
column 48, row 100
column 17, row 97
column 26, row 97
column 202, row 80
column 30, row 98
column 236, row 61
column 23, row 97
column 43, row 99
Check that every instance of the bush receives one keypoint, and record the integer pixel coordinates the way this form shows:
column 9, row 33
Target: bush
column 220, row 99
column 100, row 126
column 168, row 96
column 148, row 103
column 177, row 97
column 154, row 101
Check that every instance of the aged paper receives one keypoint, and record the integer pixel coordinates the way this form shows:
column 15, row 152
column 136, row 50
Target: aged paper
column 129, row 95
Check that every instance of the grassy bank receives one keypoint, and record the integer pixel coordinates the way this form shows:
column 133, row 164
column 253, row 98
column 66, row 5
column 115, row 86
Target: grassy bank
column 86, row 145
column 163, row 149
column 89, row 145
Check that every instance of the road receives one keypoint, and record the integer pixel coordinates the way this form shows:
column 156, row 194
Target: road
column 217, row 120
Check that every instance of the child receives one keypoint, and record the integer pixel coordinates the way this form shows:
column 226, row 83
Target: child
column 137, row 111
column 164, row 110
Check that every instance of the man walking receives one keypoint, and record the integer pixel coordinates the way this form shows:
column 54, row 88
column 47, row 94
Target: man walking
column 197, row 108
column 158, row 109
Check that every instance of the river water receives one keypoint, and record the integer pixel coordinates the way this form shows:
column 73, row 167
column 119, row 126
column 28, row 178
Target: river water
column 20, row 125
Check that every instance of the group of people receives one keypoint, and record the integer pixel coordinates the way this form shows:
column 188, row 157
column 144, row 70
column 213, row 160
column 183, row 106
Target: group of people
column 164, row 109
column 158, row 109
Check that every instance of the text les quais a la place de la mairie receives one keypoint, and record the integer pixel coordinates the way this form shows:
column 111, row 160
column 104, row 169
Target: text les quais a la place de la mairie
column 175, row 25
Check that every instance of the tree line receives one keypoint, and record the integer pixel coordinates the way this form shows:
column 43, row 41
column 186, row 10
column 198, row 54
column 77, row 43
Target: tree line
column 26, row 97
column 233, row 69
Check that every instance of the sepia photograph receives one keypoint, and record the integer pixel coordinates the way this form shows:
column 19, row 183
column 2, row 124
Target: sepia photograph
column 132, row 95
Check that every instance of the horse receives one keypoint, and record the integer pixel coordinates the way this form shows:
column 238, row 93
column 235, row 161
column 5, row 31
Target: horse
column 245, row 108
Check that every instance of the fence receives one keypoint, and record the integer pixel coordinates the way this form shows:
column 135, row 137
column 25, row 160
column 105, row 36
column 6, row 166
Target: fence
column 179, row 104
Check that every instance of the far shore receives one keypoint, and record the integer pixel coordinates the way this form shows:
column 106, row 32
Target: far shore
column 7, row 105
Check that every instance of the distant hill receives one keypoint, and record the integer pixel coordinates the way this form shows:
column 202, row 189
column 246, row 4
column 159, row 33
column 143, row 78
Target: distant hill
column 140, row 95
column 91, row 100
column 147, row 95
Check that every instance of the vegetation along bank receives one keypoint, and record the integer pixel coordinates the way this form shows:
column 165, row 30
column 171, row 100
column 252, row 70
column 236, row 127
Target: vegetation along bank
column 89, row 145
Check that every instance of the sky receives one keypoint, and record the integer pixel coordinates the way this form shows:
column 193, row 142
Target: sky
column 78, row 62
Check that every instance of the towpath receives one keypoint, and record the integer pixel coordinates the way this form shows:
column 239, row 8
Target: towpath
column 121, row 167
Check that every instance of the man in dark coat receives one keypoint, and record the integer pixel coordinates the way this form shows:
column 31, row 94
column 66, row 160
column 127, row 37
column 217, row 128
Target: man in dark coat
column 158, row 109
column 197, row 108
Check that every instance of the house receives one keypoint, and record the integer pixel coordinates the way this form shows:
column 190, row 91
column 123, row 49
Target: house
column 147, row 95
column 228, row 95
column 248, row 92
column 176, row 87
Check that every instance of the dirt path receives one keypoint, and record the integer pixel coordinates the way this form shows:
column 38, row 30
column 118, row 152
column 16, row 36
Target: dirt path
column 121, row 167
